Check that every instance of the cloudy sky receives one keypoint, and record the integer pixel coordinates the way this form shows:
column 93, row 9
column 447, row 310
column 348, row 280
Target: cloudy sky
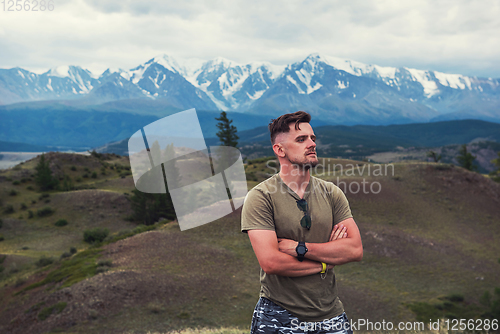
column 452, row 36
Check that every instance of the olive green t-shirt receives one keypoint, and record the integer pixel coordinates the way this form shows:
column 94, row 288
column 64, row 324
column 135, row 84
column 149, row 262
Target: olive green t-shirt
column 271, row 205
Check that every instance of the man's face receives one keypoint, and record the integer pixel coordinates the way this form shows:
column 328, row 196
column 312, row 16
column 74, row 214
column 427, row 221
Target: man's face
column 300, row 146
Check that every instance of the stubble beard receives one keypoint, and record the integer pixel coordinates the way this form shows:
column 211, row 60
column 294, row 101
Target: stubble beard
column 304, row 164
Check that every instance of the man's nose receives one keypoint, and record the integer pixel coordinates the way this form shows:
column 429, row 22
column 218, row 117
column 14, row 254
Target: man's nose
column 311, row 143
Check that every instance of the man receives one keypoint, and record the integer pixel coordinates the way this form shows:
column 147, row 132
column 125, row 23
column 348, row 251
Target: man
column 300, row 227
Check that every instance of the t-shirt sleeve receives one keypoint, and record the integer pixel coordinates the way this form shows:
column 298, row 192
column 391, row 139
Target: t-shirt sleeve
column 341, row 209
column 257, row 212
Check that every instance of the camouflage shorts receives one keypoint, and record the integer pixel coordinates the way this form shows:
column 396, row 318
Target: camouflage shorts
column 270, row 318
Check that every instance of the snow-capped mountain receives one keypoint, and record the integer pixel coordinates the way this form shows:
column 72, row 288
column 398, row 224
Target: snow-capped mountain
column 64, row 82
column 349, row 92
column 232, row 86
column 337, row 90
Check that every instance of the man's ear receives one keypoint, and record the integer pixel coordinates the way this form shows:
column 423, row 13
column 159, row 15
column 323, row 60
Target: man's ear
column 278, row 150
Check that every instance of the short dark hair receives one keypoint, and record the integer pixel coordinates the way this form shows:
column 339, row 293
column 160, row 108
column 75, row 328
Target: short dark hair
column 282, row 123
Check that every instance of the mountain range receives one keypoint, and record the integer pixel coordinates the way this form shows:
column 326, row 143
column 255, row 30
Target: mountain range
column 337, row 91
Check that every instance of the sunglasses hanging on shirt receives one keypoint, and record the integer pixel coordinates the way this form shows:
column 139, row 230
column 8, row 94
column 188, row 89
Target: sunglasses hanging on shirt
column 306, row 220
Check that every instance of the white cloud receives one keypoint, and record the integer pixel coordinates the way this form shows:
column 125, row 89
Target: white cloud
column 457, row 36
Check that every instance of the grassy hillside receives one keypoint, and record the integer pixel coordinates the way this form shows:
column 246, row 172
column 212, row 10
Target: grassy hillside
column 429, row 233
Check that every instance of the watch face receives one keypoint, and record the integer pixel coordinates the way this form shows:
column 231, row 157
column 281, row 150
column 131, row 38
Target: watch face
column 301, row 249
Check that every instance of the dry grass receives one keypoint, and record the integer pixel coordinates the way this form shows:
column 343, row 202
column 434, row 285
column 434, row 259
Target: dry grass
column 428, row 233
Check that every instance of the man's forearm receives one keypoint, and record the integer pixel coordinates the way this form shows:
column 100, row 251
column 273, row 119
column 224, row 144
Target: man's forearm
column 335, row 252
column 344, row 245
column 287, row 265
column 274, row 262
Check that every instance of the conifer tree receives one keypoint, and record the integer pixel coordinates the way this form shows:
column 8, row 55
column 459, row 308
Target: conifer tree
column 147, row 207
column 227, row 137
column 495, row 175
column 227, row 132
column 466, row 159
column 43, row 175
column 171, row 171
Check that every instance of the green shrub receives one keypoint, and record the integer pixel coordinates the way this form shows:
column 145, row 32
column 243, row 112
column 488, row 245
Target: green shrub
column 30, row 188
column 455, row 297
column 72, row 250
column 13, row 192
column 1, row 269
column 1, row 223
column 2, row 258
column 42, row 196
column 272, row 164
column 44, row 261
column 97, row 234
column 85, row 176
column 73, row 168
column 100, row 270
column 105, row 263
column 67, row 184
column 61, row 222
column 65, row 255
column 46, row 312
column 23, row 206
column 16, row 183
column 30, row 214
column 94, row 175
column 8, row 209
column 47, row 211
column 2, row 238
column 251, row 176
column 96, row 155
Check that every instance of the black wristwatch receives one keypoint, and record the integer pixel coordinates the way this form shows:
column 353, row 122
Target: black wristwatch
column 301, row 250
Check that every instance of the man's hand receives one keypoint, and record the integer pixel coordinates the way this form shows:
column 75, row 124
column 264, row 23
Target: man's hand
column 288, row 246
column 339, row 232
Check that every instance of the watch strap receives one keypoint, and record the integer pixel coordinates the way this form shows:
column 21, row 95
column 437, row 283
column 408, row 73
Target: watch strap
column 301, row 255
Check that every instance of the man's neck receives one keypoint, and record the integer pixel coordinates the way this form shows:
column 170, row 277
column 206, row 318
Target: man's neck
column 295, row 178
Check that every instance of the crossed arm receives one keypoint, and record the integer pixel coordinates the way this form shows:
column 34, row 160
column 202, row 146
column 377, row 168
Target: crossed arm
column 278, row 256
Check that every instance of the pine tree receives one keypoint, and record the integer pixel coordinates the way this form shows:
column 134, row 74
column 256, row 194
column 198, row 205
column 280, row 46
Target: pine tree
column 155, row 152
column 495, row 175
column 171, row 171
column 466, row 159
column 43, row 176
column 227, row 132
column 149, row 208
column 434, row 156
column 227, row 137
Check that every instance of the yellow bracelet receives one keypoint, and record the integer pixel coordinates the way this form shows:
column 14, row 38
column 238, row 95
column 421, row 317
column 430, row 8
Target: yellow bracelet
column 324, row 268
